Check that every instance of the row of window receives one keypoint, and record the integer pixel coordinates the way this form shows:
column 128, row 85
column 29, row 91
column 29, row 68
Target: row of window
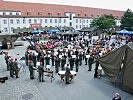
column 12, row 28
column 10, row 13
column 18, row 21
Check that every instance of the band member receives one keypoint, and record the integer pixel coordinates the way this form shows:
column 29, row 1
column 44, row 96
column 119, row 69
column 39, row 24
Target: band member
column 47, row 60
column 26, row 57
column 77, row 63
column 7, row 59
column 11, row 67
column 40, row 72
column 96, row 65
column 63, row 62
column 71, row 61
column 42, row 59
column 16, row 69
column 52, row 58
column 34, row 59
column 57, row 64
column 31, row 69
column 90, row 62
column 80, row 58
column 67, row 74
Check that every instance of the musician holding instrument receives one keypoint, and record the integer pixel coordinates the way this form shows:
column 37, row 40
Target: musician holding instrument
column 16, row 69
column 67, row 74
column 40, row 72
column 31, row 69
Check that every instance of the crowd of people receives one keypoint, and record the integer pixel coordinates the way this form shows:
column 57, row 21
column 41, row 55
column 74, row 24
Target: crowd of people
column 66, row 50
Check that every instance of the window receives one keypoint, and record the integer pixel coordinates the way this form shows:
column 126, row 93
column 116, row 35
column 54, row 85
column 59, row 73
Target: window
column 55, row 20
column 10, row 13
column 76, row 26
column 70, row 16
column 59, row 20
column 17, row 13
column 28, row 13
column 46, row 20
column 12, row 29
column 5, row 29
column 29, row 20
column 87, row 21
column 64, row 20
column 76, row 20
column 5, row 21
column 80, row 26
column 40, row 20
column 18, row 21
column 35, row 20
column 80, row 20
column 70, row 24
column 4, row 13
column 11, row 21
column 50, row 20
column 24, row 21
column 84, row 21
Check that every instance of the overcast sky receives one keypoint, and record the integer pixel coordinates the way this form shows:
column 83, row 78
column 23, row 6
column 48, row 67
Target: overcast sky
column 106, row 4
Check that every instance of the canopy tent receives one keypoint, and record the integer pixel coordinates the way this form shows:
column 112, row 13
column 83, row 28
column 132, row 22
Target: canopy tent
column 54, row 31
column 112, row 66
column 37, row 31
column 123, row 32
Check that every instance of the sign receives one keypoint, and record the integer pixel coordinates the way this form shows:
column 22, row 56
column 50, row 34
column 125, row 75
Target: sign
column 35, row 26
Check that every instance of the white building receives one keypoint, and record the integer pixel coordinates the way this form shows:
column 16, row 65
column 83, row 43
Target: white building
column 24, row 15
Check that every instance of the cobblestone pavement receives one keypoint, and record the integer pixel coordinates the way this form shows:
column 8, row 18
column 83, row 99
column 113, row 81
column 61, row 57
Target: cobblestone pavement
column 83, row 87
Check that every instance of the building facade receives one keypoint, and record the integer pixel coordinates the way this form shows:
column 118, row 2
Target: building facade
column 15, row 15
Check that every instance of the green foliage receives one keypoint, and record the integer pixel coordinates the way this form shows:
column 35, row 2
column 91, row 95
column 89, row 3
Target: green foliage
column 127, row 20
column 105, row 22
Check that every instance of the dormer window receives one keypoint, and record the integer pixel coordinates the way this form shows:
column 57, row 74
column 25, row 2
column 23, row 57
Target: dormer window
column 39, row 13
column 49, row 13
column 58, row 13
column 85, row 14
column 92, row 15
column 97, row 15
column 78, row 14
column 28, row 13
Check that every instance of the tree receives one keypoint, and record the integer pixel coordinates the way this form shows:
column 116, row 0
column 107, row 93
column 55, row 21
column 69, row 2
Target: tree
column 127, row 20
column 105, row 22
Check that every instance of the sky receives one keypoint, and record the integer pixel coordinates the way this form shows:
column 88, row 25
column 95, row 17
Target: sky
column 122, row 5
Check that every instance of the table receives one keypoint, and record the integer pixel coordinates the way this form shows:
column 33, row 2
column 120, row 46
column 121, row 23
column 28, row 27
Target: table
column 62, row 74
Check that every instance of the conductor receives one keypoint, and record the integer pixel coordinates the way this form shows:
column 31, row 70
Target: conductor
column 67, row 74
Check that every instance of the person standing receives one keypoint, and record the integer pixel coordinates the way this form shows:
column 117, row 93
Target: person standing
column 80, row 58
column 47, row 60
column 34, row 59
column 67, row 74
column 40, row 72
column 57, row 64
column 90, row 62
column 63, row 62
column 42, row 59
column 71, row 61
column 31, row 69
column 96, row 65
column 26, row 57
column 52, row 58
column 77, row 63
column 11, row 67
column 16, row 69
column 7, row 60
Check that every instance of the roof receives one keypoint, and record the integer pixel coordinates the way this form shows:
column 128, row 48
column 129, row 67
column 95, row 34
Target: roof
column 54, row 10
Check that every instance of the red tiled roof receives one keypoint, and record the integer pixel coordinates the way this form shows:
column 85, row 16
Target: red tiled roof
column 56, row 10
